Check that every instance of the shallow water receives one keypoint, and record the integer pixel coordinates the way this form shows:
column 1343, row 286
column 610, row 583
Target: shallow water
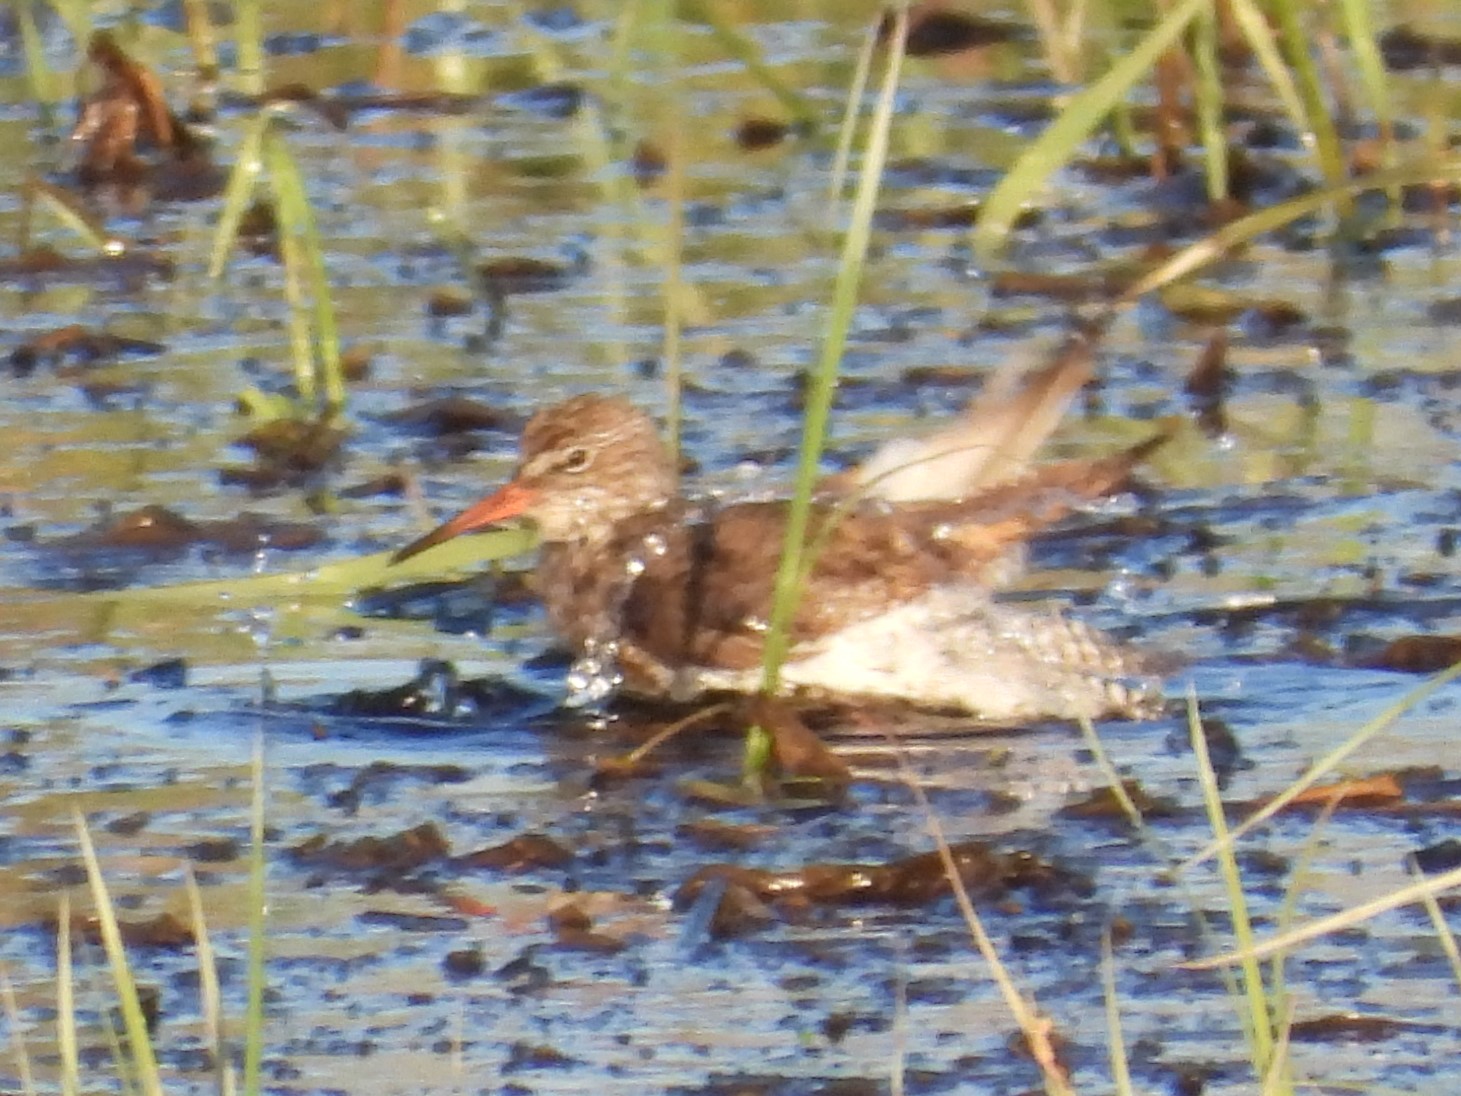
column 1272, row 562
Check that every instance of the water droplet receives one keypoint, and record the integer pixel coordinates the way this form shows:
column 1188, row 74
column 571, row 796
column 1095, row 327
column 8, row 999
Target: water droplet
column 436, row 686
column 1124, row 587
column 261, row 554
column 655, row 544
column 259, row 626
column 594, row 677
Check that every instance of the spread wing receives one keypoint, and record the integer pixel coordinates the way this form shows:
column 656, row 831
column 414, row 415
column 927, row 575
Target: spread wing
column 705, row 598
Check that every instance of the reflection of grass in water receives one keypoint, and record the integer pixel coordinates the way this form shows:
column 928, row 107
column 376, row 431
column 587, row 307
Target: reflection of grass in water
column 343, row 578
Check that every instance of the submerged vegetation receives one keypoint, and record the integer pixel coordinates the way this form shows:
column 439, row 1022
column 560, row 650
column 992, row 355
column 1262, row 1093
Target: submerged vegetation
column 1164, row 98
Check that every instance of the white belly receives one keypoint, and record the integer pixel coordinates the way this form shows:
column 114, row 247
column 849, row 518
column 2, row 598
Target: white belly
column 955, row 648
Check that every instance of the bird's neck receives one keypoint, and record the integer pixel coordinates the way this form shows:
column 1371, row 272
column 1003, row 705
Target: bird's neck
column 583, row 580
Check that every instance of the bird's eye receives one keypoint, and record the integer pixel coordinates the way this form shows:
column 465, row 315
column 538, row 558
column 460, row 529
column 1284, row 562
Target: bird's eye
column 576, row 460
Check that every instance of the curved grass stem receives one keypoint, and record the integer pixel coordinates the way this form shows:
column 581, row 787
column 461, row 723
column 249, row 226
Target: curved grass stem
column 824, row 378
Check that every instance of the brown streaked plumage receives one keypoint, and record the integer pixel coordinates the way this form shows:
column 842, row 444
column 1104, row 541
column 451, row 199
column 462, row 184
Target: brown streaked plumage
column 679, row 595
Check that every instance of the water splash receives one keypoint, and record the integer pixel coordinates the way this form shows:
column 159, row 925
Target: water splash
column 437, row 688
column 594, row 677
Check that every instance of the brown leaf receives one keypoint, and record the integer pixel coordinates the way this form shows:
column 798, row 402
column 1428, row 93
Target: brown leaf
column 1379, row 790
column 156, row 122
column 522, row 853
column 408, row 849
column 127, row 111
column 936, row 30
column 467, row 906
column 795, row 747
column 757, row 133
column 1418, row 654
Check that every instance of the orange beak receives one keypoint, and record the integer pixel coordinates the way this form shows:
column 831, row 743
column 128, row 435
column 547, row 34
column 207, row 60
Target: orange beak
column 509, row 501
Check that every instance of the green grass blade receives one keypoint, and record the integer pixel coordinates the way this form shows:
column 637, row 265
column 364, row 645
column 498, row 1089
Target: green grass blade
column 76, row 14
column 199, row 28
column 1278, row 1078
column 1060, row 39
column 1298, row 51
column 139, row 1041
column 1359, row 28
column 68, row 211
column 1325, row 765
column 824, row 377
column 1443, row 930
column 66, row 1044
column 1076, row 122
column 338, row 580
column 663, row 33
column 248, row 165
column 258, row 909
column 621, row 50
column 1154, row 843
column 209, row 992
column 326, row 329
column 1112, row 777
column 1252, row 21
column 1298, row 882
column 1255, row 1013
column 1115, row 1040
column 1035, row 1029
column 304, row 260
column 18, row 1049
column 248, row 36
column 301, row 350
column 1335, row 922
column 1208, row 93
column 740, row 47
column 847, row 131
column 1236, row 233
column 43, row 86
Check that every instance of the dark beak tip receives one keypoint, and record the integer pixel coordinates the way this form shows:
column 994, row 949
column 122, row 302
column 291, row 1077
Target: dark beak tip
column 415, row 548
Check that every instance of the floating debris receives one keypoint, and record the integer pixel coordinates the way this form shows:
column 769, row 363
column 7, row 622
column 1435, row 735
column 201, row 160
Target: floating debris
column 158, row 531
column 759, row 133
column 525, row 852
column 1417, row 654
column 401, row 852
column 912, row 881
column 936, row 29
column 79, row 345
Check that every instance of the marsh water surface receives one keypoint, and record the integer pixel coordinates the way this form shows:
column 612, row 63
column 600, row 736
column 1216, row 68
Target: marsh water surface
column 1274, row 558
